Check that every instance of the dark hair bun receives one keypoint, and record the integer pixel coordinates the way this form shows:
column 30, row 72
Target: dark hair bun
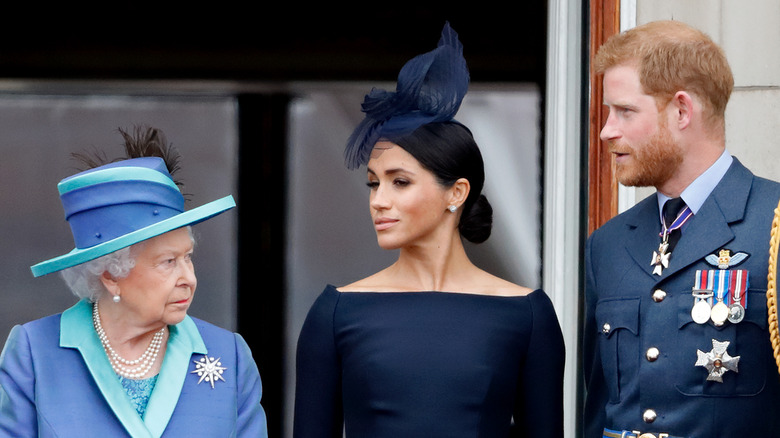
column 477, row 220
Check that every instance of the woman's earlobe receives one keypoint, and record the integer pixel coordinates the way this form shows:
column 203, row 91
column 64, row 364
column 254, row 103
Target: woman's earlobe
column 110, row 283
column 460, row 191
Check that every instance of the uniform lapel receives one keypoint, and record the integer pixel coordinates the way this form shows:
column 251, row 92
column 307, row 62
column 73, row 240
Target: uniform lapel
column 643, row 238
column 708, row 231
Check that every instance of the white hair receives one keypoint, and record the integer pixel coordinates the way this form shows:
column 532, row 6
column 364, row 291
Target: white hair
column 84, row 279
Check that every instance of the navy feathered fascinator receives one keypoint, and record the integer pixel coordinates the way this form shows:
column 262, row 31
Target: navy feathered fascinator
column 430, row 89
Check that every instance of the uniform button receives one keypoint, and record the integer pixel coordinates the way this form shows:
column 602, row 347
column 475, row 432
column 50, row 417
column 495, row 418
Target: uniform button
column 606, row 328
column 658, row 295
column 649, row 416
column 652, row 354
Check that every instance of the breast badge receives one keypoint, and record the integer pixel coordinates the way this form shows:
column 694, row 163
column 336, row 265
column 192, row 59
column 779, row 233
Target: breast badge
column 717, row 361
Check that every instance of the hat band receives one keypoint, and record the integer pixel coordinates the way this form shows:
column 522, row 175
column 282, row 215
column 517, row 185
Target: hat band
column 108, row 174
column 106, row 195
column 93, row 227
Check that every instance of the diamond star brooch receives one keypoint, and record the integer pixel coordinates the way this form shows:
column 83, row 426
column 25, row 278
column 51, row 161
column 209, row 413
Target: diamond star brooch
column 209, row 369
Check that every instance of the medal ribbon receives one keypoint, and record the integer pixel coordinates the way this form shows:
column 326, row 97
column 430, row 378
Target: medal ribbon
column 721, row 284
column 739, row 286
column 701, row 281
column 704, row 281
column 681, row 219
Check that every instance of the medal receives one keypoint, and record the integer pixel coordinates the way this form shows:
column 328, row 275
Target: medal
column 736, row 313
column 717, row 361
column 702, row 297
column 701, row 311
column 660, row 259
column 720, row 311
column 738, row 290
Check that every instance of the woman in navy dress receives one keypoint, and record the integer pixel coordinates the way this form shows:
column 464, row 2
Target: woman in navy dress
column 431, row 346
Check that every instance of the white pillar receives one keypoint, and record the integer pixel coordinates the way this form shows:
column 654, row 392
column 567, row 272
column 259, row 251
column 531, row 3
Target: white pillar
column 562, row 215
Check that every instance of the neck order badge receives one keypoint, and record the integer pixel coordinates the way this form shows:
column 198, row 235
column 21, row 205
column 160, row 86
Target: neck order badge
column 661, row 257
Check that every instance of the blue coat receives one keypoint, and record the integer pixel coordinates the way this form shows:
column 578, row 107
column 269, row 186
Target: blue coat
column 640, row 341
column 55, row 380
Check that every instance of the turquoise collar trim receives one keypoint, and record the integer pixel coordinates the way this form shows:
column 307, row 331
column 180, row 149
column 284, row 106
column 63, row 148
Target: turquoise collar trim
column 183, row 342
column 76, row 331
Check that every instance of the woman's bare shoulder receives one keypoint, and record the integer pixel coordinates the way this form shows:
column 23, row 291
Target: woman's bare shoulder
column 373, row 283
column 493, row 285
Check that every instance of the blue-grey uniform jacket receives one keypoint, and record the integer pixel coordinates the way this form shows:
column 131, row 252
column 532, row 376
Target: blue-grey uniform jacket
column 641, row 345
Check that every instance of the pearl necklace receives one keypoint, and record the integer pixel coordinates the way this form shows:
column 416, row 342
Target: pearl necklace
column 129, row 369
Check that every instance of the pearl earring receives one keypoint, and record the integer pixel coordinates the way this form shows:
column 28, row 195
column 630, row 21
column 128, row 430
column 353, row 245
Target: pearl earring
column 116, row 298
column 452, row 208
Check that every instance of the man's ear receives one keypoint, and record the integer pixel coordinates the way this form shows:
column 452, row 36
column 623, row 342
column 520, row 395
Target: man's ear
column 683, row 105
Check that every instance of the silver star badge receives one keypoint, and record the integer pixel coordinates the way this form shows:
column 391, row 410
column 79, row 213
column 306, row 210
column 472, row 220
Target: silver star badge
column 209, row 369
column 717, row 361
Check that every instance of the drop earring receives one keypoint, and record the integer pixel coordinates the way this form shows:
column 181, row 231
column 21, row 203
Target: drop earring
column 452, row 208
column 116, row 298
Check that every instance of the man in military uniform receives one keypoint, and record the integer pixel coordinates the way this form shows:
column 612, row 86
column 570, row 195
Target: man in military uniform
column 676, row 342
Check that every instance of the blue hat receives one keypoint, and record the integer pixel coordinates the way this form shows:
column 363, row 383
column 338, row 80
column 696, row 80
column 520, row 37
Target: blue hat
column 430, row 89
column 119, row 204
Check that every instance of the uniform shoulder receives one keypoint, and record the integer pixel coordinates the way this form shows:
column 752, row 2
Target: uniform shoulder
column 766, row 184
column 629, row 216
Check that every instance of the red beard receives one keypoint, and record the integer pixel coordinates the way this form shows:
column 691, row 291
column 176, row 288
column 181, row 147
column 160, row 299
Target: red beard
column 651, row 163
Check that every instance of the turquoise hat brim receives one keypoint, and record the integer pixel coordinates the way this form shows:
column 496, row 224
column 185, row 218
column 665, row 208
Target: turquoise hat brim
column 190, row 217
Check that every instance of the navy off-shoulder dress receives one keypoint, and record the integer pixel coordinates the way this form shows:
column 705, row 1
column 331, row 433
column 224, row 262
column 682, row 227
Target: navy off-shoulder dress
column 429, row 364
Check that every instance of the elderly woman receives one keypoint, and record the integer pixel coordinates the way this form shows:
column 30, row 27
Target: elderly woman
column 127, row 359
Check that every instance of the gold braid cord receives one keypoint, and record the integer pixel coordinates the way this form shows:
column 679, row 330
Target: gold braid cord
column 771, row 286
